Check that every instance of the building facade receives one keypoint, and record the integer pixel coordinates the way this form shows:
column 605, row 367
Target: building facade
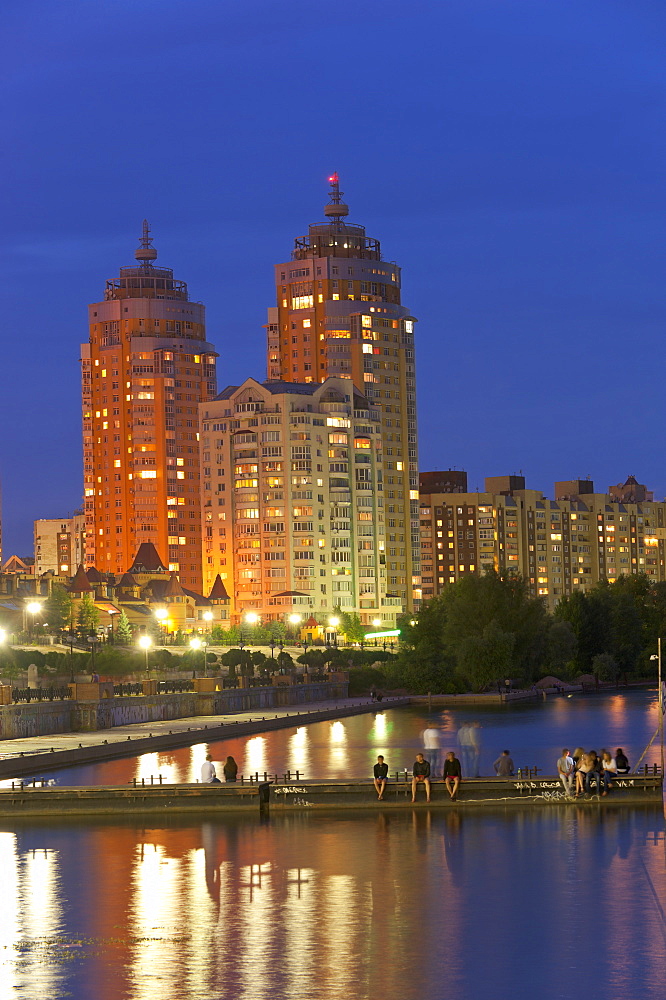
column 558, row 546
column 294, row 515
column 60, row 544
column 146, row 367
column 339, row 314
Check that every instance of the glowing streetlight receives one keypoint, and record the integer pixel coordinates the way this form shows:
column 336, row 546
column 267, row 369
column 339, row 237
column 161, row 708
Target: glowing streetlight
column 3, row 635
column 251, row 618
column 334, row 621
column 207, row 617
column 162, row 614
column 197, row 643
column 33, row 608
column 145, row 642
column 376, row 622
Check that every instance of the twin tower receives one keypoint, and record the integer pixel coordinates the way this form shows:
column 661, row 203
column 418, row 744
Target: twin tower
column 300, row 490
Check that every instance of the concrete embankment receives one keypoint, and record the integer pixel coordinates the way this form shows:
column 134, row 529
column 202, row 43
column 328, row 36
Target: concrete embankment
column 39, row 755
column 298, row 796
column 96, row 710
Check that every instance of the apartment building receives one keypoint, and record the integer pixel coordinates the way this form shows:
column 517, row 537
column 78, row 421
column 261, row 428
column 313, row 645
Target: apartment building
column 60, row 544
column 558, row 545
column 339, row 313
column 294, row 516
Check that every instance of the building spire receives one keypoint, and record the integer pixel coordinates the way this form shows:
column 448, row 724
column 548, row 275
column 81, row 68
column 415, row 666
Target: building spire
column 146, row 252
column 336, row 208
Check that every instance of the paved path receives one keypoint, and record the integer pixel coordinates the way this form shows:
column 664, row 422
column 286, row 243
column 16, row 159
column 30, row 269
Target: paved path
column 63, row 749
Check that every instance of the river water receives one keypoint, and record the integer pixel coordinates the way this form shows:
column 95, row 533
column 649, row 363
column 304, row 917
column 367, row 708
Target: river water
column 556, row 903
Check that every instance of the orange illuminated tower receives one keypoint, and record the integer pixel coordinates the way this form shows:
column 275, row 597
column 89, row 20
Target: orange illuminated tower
column 339, row 313
column 146, row 367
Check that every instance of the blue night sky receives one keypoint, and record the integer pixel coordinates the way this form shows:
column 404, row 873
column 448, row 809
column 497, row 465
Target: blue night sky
column 509, row 154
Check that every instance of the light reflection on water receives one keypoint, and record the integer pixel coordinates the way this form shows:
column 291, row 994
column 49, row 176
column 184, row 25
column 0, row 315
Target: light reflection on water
column 347, row 748
column 416, row 905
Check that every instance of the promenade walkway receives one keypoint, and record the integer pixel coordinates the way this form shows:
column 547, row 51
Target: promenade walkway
column 22, row 756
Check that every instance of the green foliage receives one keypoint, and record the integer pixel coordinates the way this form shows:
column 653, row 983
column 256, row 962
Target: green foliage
column 59, row 609
column 351, row 627
column 604, row 667
column 87, row 615
column 123, row 630
column 478, row 631
column 622, row 620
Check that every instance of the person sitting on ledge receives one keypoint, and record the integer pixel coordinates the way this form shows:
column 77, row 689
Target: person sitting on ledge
column 421, row 772
column 503, row 765
column 208, row 776
column 380, row 775
column 452, row 774
column 593, row 776
column 608, row 770
column 230, row 769
column 621, row 762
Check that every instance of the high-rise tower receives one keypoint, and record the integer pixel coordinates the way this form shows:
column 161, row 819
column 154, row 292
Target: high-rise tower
column 339, row 313
column 146, row 367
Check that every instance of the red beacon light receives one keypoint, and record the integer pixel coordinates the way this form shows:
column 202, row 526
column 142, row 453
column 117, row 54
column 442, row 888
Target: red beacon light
column 333, row 179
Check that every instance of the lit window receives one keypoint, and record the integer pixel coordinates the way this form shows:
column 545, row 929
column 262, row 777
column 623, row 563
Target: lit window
column 148, row 474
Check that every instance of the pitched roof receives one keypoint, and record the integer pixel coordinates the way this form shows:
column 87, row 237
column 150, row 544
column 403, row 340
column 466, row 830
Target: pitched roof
column 173, row 587
column 94, row 575
column 80, row 583
column 127, row 580
column 312, row 622
column 218, row 591
column 147, row 560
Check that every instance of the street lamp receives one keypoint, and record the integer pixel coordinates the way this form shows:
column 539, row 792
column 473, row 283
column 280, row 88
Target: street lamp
column 252, row 618
column 208, row 617
column 197, row 643
column 295, row 621
column 111, row 616
column 162, row 614
column 145, row 642
column 33, row 608
column 334, row 621
column 376, row 622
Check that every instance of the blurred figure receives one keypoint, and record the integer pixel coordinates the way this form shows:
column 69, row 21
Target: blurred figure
column 432, row 746
column 475, row 745
column 465, row 745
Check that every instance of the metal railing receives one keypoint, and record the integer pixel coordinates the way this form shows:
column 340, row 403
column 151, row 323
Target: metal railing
column 41, row 694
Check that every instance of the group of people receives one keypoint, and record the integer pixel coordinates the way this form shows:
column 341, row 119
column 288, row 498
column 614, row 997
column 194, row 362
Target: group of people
column 209, row 774
column 421, row 773
column 469, row 747
column 583, row 771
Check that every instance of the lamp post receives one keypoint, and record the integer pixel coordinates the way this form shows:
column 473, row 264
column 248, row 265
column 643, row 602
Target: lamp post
column 92, row 639
column 334, row 621
column 252, row 618
column 197, row 643
column 660, row 702
column 112, row 614
column 162, row 614
column 295, row 621
column 207, row 617
column 71, row 654
column 272, row 645
column 376, row 622
column 33, row 608
column 145, row 642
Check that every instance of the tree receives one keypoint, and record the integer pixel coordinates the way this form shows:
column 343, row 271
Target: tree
column 484, row 659
column 352, row 627
column 561, row 645
column 59, row 609
column 87, row 616
column 123, row 630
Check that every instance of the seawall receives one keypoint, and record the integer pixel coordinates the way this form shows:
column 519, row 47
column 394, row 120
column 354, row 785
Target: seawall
column 46, row 718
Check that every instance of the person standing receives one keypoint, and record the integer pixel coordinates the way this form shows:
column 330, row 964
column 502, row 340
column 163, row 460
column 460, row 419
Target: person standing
column 421, row 773
column 452, row 774
column 475, row 748
column 504, row 765
column 432, row 745
column 380, row 771
column 565, row 770
column 464, row 742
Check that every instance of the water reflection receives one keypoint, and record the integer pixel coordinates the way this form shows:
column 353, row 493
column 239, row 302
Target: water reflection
column 414, row 905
